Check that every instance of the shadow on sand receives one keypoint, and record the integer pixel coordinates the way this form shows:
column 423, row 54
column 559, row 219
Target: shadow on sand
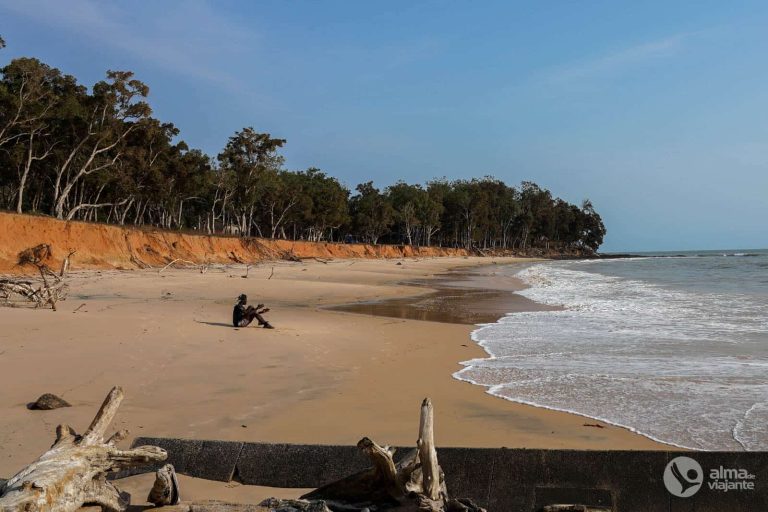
column 217, row 324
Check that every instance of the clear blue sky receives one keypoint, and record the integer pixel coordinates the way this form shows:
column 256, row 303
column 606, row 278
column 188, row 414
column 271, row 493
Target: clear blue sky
column 656, row 111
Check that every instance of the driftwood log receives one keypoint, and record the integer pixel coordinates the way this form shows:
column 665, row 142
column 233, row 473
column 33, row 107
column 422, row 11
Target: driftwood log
column 415, row 483
column 51, row 286
column 73, row 472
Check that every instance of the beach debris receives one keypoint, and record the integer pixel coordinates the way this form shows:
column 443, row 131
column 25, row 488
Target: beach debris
column 74, row 471
column 415, row 483
column 596, row 425
column 170, row 264
column 65, row 263
column 165, row 491
column 47, row 291
column 47, row 402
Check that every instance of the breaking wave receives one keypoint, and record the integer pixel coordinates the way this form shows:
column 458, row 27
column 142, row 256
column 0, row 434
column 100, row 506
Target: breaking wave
column 682, row 364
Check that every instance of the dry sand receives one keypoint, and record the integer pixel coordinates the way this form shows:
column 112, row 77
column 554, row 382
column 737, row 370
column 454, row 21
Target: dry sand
column 321, row 376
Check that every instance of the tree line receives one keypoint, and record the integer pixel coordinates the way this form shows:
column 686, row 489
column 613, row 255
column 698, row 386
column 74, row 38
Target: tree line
column 98, row 154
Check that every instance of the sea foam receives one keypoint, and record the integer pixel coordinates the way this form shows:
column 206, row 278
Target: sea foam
column 677, row 363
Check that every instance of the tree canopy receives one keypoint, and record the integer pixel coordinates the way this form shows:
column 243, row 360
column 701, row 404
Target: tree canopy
column 97, row 154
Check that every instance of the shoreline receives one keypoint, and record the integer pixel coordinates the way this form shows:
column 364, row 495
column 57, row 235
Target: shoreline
column 321, row 377
column 461, row 285
column 466, row 296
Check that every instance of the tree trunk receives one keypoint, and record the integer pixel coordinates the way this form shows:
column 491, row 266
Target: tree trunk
column 31, row 157
column 27, row 167
column 73, row 472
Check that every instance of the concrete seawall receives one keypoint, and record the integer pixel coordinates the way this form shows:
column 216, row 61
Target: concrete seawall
column 502, row 480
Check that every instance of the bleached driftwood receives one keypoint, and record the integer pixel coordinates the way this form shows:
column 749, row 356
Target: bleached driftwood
column 174, row 262
column 51, row 287
column 415, row 483
column 73, row 472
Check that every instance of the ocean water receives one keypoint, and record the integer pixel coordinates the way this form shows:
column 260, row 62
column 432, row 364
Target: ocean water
column 672, row 347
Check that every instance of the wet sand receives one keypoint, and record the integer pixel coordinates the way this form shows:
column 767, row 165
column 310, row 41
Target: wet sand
column 469, row 297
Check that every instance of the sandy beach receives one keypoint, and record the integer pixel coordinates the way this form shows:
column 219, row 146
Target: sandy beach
column 322, row 376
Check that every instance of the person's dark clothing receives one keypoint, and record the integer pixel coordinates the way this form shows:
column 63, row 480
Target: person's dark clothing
column 242, row 316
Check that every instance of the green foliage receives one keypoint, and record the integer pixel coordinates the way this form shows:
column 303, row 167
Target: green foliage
column 372, row 213
column 97, row 154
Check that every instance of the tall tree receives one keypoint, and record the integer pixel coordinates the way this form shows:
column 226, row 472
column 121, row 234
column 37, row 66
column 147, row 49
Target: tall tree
column 98, row 126
column 372, row 214
column 593, row 230
column 250, row 157
column 322, row 205
column 408, row 202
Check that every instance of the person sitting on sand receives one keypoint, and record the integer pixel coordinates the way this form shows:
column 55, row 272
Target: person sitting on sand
column 243, row 316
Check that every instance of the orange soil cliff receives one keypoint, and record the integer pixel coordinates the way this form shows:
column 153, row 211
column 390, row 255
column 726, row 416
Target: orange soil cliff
column 105, row 246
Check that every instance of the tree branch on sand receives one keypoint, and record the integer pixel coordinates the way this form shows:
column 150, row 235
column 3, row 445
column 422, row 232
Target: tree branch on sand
column 170, row 264
column 73, row 472
column 51, row 286
column 414, row 484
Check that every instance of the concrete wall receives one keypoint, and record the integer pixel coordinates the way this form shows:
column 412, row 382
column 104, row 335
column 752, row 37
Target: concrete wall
column 502, row 480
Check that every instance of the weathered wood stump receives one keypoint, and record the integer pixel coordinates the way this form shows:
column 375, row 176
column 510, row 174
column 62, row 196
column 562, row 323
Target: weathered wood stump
column 74, row 471
column 415, row 483
column 165, row 491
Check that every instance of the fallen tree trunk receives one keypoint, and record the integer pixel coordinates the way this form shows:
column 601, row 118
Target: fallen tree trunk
column 74, row 471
